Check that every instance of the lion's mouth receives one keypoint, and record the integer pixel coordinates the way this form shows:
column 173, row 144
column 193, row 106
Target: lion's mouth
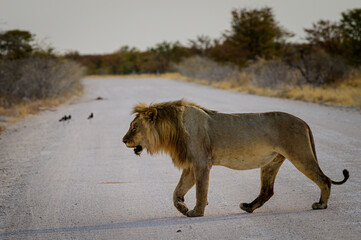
column 138, row 149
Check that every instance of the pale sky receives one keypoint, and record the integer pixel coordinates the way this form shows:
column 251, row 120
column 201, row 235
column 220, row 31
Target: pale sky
column 103, row 26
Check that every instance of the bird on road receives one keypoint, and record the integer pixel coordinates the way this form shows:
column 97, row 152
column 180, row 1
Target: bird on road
column 63, row 118
column 91, row 116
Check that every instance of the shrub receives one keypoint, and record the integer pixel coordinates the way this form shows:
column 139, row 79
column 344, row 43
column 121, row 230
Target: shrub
column 317, row 67
column 37, row 78
column 205, row 69
column 272, row 74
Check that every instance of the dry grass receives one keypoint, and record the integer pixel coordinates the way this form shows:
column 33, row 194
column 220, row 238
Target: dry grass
column 339, row 96
column 347, row 93
column 277, row 79
column 344, row 94
column 172, row 76
column 20, row 110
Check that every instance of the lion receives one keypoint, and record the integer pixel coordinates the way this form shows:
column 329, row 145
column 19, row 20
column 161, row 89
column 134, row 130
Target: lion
column 197, row 138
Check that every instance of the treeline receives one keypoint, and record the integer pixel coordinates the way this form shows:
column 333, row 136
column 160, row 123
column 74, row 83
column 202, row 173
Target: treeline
column 29, row 72
column 130, row 60
column 256, row 48
column 254, row 41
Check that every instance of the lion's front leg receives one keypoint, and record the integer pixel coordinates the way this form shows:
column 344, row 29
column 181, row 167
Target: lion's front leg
column 186, row 182
column 202, row 183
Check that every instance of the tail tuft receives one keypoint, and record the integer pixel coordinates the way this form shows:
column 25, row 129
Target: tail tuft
column 346, row 175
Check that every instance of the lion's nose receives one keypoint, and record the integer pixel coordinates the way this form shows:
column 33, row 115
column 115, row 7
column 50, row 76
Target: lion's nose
column 125, row 141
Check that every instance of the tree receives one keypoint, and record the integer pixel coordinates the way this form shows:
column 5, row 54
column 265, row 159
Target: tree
column 167, row 52
column 129, row 60
column 16, row 44
column 325, row 34
column 351, row 32
column 201, row 44
column 255, row 33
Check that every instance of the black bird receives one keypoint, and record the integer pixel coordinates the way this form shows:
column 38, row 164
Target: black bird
column 91, row 116
column 69, row 117
column 63, row 118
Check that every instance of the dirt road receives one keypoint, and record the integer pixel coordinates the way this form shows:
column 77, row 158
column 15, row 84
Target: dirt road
column 77, row 180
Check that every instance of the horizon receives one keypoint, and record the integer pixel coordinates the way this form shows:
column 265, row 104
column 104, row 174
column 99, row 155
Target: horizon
column 92, row 27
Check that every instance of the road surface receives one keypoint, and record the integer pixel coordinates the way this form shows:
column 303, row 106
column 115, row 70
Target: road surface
column 77, row 180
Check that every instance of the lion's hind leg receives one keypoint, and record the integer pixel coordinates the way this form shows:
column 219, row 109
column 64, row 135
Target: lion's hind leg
column 268, row 177
column 308, row 165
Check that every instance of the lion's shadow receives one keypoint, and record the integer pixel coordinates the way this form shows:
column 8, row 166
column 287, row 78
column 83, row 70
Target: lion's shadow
column 146, row 223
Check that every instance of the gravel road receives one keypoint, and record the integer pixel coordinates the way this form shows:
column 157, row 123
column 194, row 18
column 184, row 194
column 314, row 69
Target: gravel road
column 77, row 180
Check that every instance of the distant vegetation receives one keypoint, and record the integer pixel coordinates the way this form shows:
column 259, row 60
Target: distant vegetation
column 254, row 34
column 255, row 55
column 32, row 77
column 29, row 72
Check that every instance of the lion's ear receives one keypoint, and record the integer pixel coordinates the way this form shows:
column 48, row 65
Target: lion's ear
column 140, row 108
column 151, row 114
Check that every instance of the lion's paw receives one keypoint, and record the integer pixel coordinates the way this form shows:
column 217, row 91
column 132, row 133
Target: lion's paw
column 246, row 207
column 182, row 207
column 194, row 213
column 318, row 206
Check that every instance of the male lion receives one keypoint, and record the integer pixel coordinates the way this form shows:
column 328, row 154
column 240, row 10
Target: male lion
column 197, row 138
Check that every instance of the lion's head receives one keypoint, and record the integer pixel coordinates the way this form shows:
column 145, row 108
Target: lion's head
column 141, row 130
column 159, row 128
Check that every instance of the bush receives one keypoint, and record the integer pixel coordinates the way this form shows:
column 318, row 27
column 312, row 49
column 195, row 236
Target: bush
column 317, row 67
column 272, row 74
column 37, row 78
column 205, row 69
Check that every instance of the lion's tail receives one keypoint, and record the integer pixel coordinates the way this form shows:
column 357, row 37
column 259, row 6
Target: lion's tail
column 345, row 172
column 346, row 175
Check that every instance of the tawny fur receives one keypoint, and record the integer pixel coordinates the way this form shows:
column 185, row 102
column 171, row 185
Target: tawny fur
column 197, row 138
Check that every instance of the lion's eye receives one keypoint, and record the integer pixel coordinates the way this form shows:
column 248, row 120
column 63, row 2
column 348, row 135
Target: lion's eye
column 133, row 129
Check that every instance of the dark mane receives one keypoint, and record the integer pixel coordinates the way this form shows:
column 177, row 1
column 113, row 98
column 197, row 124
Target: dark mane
column 181, row 103
column 172, row 138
